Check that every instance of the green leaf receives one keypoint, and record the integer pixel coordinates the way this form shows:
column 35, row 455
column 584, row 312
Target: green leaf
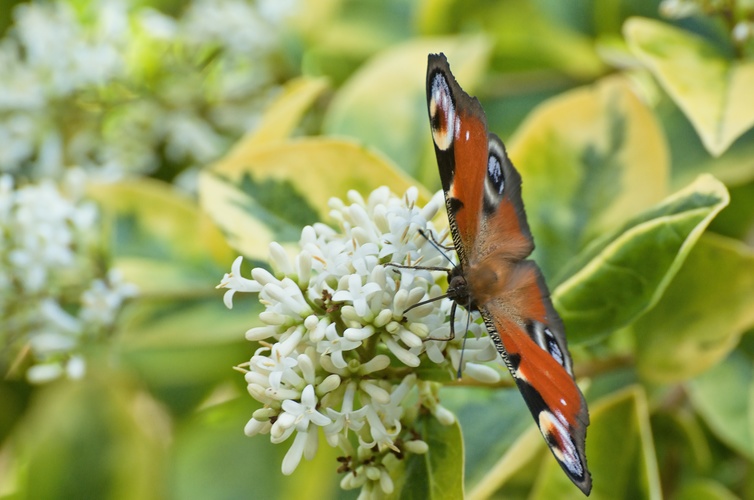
column 702, row 314
column 724, row 397
column 624, row 273
column 737, row 221
column 212, row 458
column 437, row 474
column 529, row 37
column 492, row 421
column 176, row 256
column 713, row 91
column 161, row 241
column 261, row 195
column 181, row 377
column 589, row 159
column 680, row 436
column 522, row 459
column 691, row 158
column 384, row 103
column 94, row 438
column 704, row 489
column 187, row 321
column 620, row 453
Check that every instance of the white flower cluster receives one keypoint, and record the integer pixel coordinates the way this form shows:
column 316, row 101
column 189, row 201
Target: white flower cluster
column 339, row 353
column 53, row 295
column 111, row 88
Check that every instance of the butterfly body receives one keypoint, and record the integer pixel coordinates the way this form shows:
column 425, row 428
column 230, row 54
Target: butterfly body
column 492, row 239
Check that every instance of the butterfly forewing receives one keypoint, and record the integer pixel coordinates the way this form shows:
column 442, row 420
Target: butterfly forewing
column 492, row 239
column 460, row 144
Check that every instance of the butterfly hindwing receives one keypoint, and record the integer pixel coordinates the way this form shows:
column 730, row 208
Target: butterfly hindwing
column 492, row 238
column 535, row 351
column 503, row 226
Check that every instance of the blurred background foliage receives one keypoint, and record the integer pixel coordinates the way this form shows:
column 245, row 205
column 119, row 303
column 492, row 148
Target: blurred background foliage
column 204, row 135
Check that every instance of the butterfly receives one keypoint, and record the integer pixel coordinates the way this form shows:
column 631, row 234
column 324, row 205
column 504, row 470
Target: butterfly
column 492, row 239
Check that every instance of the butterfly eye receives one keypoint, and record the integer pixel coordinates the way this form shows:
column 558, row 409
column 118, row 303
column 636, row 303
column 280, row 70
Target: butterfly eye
column 442, row 112
column 495, row 174
column 494, row 182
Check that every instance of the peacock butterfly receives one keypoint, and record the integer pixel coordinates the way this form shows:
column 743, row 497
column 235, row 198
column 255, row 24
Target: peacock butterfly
column 492, row 239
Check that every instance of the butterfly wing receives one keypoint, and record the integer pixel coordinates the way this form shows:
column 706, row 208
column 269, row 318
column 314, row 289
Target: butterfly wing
column 487, row 195
column 533, row 344
column 492, row 237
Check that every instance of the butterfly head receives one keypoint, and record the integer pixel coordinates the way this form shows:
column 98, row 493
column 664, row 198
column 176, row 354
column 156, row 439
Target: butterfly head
column 458, row 289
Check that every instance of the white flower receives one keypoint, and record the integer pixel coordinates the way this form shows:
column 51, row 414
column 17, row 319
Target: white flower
column 297, row 417
column 234, row 282
column 347, row 418
column 341, row 344
column 102, row 301
column 57, row 57
column 357, row 293
column 677, row 9
column 50, row 254
column 277, row 367
column 335, row 346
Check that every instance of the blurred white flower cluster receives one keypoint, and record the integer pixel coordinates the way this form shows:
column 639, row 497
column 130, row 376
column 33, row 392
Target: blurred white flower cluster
column 739, row 18
column 54, row 294
column 118, row 89
column 338, row 354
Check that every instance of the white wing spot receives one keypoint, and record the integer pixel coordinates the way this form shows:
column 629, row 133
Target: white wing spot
column 555, row 425
column 441, row 102
column 467, row 135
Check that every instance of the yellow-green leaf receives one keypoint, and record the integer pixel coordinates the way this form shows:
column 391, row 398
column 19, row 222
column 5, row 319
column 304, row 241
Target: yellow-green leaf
column 493, row 422
column 211, row 445
column 162, row 242
column 589, row 159
column 712, row 90
column 283, row 115
column 625, row 272
column 270, row 194
column 384, row 103
column 528, row 37
column 176, row 256
column 702, row 314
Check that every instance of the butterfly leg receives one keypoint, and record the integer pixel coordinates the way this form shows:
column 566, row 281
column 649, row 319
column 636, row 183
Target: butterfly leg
column 452, row 323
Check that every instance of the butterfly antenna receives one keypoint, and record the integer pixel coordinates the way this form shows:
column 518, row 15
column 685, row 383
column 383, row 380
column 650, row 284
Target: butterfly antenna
column 437, row 247
column 428, row 301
